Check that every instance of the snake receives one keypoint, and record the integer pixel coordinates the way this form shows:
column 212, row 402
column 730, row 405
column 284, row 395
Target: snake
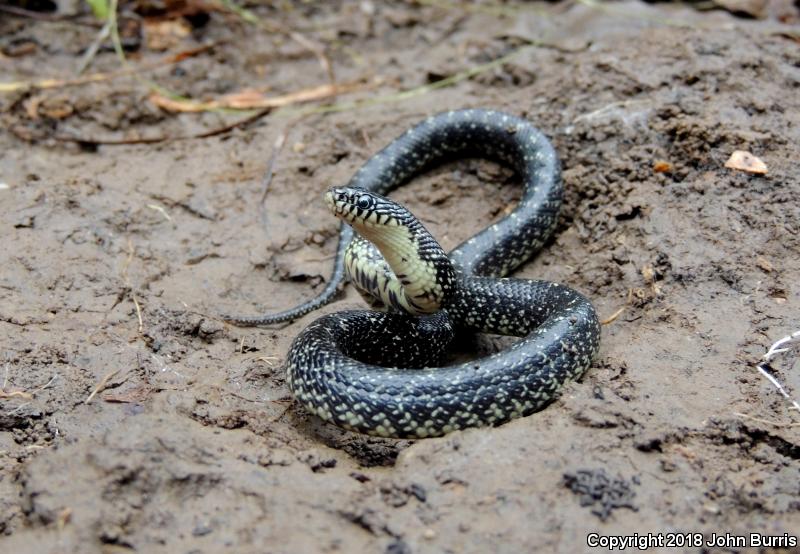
column 380, row 372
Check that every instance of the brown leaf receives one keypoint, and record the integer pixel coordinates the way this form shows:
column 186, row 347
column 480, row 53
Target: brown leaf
column 662, row 166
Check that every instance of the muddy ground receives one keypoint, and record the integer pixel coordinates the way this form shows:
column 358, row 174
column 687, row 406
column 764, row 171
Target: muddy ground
column 192, row 442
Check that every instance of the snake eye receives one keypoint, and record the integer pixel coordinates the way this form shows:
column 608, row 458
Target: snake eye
column 364, row 202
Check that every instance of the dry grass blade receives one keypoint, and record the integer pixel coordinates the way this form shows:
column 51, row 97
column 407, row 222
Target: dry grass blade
column 16, row 394
column 101, row 385
column 20, row 393
column 613, row 317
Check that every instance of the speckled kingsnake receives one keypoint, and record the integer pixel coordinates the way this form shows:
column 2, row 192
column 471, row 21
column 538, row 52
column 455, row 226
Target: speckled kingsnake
column 334, row 366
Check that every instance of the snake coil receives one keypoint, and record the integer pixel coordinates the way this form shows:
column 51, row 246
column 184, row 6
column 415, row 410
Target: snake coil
column 373, row 372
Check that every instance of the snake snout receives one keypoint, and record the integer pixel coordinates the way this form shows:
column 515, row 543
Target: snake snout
column 336, row 200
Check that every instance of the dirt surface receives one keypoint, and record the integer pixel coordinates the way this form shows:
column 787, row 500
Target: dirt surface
column 192, row 442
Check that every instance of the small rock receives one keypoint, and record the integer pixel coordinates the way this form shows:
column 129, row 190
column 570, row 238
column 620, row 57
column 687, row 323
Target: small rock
column 201, row 530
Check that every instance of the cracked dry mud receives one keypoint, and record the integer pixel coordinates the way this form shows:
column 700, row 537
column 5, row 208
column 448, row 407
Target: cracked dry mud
column 195, row 444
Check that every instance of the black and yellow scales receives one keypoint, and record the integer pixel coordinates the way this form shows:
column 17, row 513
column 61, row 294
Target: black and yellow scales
column 374, row 371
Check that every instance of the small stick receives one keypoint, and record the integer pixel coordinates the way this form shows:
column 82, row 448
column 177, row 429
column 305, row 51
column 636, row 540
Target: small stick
column 320, row 258
column 161, row 210
column 64, row 517
column 22, row 394
column 16, row 394
column 47, row 384
column 91, row 52
column 138, row 311
column 612, row 317
column 318, row 51
column 268, row 360
column 766, row 421
column 101, row 385
column 17, row 409
column 128, row 284
column 277, row 146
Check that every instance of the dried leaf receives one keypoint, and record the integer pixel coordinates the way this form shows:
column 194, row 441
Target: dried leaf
column 662, row 166
column 745, row 161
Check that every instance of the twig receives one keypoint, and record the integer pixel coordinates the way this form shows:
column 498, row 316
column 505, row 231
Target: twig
column 129, row 286
column 319, row 258
column 779, row 347
column 47, row 384
column 614, row 316
column 64, row 517
column 248, row 101
column 138, row 311
column 766, row 421
column 319, row 52
column 277, row 146
column 17, row 409
column 101, row 385
column 24, row 394
column 16, row 394
column 91, row 52
column 161, row 210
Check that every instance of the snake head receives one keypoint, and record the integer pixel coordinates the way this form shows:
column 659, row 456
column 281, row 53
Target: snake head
column 364, row 209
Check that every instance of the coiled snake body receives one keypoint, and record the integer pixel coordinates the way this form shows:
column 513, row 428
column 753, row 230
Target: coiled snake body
column 371, row 371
